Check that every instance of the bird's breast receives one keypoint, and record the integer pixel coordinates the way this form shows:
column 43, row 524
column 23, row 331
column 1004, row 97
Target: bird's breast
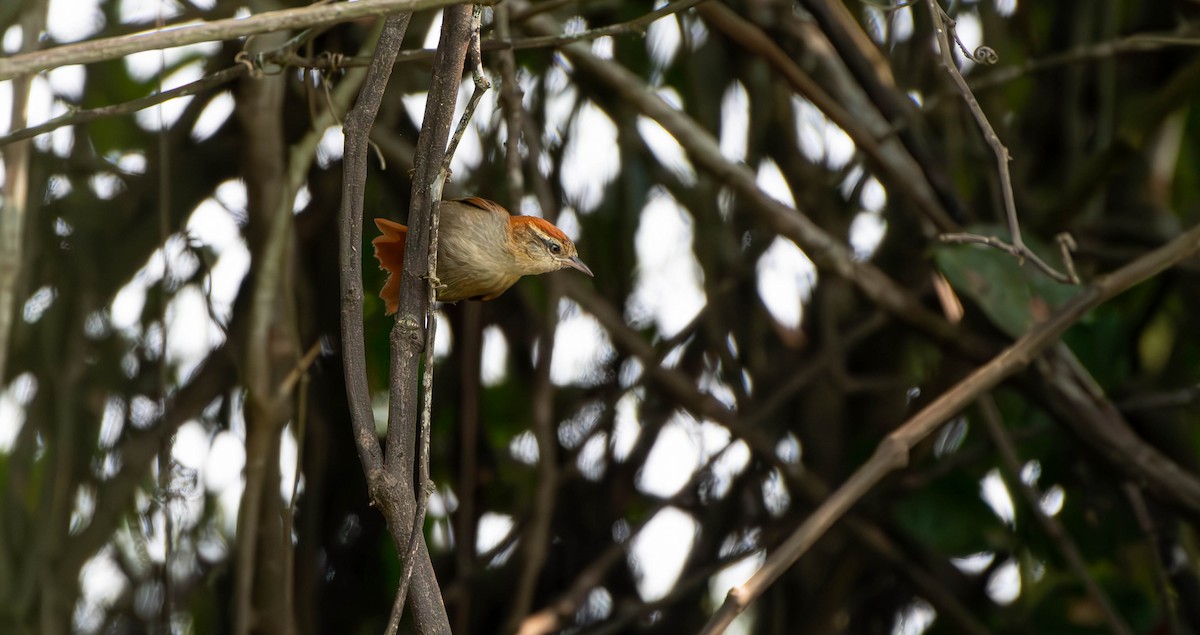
column 473, row 257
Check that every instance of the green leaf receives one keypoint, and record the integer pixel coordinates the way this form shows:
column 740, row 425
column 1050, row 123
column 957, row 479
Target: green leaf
column 951, row 516
column 1014, row 295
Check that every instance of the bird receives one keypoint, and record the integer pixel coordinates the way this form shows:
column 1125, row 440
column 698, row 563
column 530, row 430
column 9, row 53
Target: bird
column 482, row 251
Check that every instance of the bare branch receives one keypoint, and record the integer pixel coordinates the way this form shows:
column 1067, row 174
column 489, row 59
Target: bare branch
column 217, row 30
column 1021, row 253
column 942, row 26
column 16, row 187
column 892, row 452
column 1139, row 43
column 1162, row 584
column 387, row 490
column 83, row 116
column 828, row 252
column 1011, row 465
column 413, row 316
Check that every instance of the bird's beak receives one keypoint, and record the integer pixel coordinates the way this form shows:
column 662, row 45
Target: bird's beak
column 575, row 263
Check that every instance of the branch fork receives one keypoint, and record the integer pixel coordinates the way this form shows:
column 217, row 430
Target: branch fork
column 943, row 26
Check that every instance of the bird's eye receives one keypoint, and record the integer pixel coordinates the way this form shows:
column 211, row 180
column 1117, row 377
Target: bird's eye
column 555, row 248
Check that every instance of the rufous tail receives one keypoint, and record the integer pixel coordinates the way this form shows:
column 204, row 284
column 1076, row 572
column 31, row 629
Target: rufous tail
column 389, row 251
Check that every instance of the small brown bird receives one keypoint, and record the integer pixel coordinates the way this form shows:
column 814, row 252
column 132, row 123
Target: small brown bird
column 482, row 251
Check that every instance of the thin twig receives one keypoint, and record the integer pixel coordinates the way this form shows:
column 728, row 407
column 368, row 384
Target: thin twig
column 482, row 85
column 246, row 63
column 1010, row 462
column 1066, row 247
column 892, row 452
column 1021, row 253
column 216, row 30
column 1140, row 43
column 1162, row 584
column 981, row 55
column 510, row 103
column 76, row 117
column 943, row 26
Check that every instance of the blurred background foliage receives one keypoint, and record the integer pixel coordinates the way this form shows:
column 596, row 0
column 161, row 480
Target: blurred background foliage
column 616, row 453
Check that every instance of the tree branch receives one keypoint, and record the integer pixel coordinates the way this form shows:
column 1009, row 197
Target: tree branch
column 829, row 253
column 77, row 117
column 872, row 134
column 892, row 452
column 385, row 489
column 217, row 30
column 413, row 316
column 16, row 187
column 1010, row 463
column 943, row 26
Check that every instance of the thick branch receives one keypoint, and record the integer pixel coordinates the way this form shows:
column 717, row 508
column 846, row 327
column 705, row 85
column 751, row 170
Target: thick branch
column 872, row 134
column 413, row 314
column 828, row 252
column 427, row 605
column 892, row 452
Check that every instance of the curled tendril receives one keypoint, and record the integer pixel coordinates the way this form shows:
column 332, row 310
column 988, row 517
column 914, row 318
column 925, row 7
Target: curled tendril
column 334, row 60
column 986, row 55
column 252, row 63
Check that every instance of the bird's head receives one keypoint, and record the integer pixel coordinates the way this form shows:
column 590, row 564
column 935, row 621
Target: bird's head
column 540, row 247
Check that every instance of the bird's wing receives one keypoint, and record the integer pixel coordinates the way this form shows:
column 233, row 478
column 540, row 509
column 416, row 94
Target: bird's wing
column 389, row 251
column 484, row 204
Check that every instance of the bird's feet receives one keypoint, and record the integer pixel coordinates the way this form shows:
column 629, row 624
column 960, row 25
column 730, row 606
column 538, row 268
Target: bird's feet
column 437, row 284
column 449, row 174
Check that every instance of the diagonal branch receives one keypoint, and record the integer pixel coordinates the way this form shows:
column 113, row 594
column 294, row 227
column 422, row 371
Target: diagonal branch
column 1072, row 394
column 1010, row 463
column 872, row 134
column 828, row 252
column 76, row 117
column 892, row 452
